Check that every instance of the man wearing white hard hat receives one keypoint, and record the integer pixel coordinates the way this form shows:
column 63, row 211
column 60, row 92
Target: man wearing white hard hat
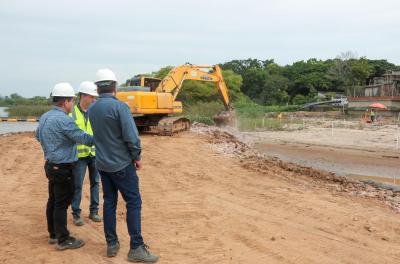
column 117, row 159
column 58, row 135
column 87, row 94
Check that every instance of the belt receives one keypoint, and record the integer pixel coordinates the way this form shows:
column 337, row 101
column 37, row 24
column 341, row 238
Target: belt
column 61, row 165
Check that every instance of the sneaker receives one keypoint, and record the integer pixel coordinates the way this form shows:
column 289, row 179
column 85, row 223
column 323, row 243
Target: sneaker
column 142, row 254
column 112, row 250
column 78, row 221
column 95, row 217
column 70, row 243
column 53, row 240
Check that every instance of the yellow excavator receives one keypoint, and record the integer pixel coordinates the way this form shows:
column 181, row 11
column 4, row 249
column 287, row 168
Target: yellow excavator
column 152, row 100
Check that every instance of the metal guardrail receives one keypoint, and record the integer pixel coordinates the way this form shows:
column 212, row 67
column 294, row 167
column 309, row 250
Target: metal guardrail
column 335, row 102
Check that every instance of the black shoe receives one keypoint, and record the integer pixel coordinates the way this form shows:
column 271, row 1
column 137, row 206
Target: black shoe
column 70, row 243
column 112, row 250
column 53, row 240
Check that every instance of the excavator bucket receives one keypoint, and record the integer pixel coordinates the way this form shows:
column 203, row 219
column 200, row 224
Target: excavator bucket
column 225, row 118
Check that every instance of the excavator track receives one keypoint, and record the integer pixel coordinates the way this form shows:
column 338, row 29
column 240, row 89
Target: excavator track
column 170, row 125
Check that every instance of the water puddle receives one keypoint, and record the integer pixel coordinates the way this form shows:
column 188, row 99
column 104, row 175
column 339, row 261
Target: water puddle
column 377, row 166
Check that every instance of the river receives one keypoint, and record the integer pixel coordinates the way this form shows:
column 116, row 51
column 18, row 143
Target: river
column 9, row 127
column 3, row 112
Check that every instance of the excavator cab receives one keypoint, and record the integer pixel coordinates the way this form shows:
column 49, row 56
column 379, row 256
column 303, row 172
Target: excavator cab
column 143, row 81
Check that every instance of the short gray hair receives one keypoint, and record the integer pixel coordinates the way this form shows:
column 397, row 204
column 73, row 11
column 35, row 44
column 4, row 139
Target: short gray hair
column 106, row 87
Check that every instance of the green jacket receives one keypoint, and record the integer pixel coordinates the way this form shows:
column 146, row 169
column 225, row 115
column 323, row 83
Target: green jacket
column 84, row 124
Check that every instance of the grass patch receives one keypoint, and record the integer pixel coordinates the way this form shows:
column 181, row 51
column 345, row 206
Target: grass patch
column 251, row 110
column 27, row 110
column 203, row 112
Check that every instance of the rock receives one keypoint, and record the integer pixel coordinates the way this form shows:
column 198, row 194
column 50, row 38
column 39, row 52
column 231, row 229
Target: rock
column 369, row 228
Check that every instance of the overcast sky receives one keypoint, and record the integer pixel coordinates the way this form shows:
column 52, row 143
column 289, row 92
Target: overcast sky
column 45, row 42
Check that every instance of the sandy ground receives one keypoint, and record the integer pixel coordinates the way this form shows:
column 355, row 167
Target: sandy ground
column 200, row 206
column 370, row 139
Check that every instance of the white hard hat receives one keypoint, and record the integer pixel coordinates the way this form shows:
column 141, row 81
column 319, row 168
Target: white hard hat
column 105, row 75
column 63, row 89
column 88, row 88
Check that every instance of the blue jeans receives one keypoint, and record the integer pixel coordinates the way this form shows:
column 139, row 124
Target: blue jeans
column 79, row 172
column 127, row 182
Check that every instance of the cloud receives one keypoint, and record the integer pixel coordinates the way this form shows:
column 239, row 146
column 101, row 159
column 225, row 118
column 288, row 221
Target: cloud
column 45, row 42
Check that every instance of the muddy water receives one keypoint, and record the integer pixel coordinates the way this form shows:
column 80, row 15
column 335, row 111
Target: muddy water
column 371, row 165
column 9, row 127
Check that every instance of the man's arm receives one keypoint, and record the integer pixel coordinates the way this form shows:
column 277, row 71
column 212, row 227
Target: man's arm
column 37, row 133
column 73, row 132
column 130, row 133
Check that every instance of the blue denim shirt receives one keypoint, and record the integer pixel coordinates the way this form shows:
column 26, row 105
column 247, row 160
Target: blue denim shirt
column 58, row 135
column 115, row 134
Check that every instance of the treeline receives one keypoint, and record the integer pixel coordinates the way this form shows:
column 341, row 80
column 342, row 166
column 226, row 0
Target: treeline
column 268, row 83
column 17, row 100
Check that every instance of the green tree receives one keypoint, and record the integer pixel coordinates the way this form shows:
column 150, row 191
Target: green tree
column 380, row 67
column 241, row 66
column 348, row 70
column 253, row 72
column 234, row 83
column 308, row 77
column 274, row 90
column 193, row 91
column 360, row 71
column 300, row 99
column 161, row 73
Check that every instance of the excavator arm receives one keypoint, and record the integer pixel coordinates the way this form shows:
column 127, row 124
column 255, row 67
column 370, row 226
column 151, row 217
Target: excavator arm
column 173, row 82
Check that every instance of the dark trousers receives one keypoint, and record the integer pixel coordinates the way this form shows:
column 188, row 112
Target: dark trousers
column 61, row 191
column 79, row 172
column 127, row 182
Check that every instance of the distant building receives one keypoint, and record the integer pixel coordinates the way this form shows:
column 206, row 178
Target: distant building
column 385, row 90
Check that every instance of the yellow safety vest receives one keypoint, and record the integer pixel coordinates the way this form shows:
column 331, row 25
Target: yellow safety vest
column 83, row 150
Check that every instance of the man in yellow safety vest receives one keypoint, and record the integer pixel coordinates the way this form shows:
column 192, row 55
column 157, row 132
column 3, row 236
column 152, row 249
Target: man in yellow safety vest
column 86, row 156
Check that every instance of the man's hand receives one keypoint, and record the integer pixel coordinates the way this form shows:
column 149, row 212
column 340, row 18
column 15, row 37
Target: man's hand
column 137, row 164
